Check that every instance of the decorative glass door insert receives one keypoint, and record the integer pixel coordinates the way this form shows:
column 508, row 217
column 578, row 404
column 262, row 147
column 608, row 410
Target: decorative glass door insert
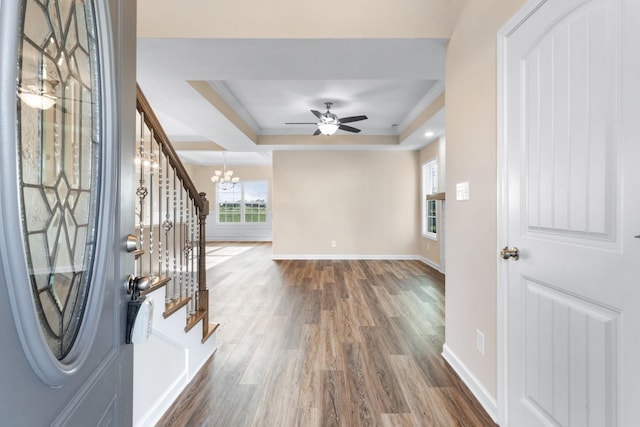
column 58, row 133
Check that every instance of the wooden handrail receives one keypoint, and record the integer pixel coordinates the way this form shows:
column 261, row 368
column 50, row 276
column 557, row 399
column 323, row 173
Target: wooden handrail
column 153, row 123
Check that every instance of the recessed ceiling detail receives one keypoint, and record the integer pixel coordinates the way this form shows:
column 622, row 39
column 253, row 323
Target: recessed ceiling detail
column 238, row 93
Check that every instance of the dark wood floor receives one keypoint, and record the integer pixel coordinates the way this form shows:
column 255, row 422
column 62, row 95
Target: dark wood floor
column 324, row 343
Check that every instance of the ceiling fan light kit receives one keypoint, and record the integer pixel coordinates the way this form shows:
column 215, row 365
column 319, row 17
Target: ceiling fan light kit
column 328, row 128
column 329, row 123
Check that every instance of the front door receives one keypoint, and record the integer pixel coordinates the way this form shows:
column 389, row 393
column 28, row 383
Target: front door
column 570, row 149
column 67, row 100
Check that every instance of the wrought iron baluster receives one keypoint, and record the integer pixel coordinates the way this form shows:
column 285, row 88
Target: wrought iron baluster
column 192, row 254
column 176, row 225
column 196, row 255
column 187, row 248
column 141, row 191
column 182, row 239
column 160, row 221
column 167, row 225
column 151, row 222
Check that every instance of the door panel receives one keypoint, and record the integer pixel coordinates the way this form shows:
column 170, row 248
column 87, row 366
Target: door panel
column 570, row 207
column 568, row 114
column 92, row 383
column 570, row 356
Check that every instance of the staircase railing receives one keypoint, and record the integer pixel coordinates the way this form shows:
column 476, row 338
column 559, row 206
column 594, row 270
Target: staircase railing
column 170, row 220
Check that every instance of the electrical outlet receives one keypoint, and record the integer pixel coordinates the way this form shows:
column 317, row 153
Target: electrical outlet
column 333, row 243
column 480, row 341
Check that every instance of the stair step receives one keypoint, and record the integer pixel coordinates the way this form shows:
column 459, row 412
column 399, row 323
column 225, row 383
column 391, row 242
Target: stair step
column 174, row 306
column 157, row 284
column 212, row 329
column 193, row 320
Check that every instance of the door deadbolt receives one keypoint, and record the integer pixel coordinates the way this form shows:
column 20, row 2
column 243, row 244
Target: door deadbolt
column 131, row 243
column 507, row 253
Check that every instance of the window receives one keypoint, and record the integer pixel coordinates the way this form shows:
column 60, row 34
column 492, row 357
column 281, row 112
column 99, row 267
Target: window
column 60, row 139
column 244, row 203
column 429, row 207
column 255, row 201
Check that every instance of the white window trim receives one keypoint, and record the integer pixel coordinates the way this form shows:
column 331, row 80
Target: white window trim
column 424, row 192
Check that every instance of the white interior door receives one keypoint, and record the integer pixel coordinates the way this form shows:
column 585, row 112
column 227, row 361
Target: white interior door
column 62, row 218
column 570, row 154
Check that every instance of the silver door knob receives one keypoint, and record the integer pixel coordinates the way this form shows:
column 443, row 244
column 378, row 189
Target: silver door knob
column 137, row 284
column 507, row 253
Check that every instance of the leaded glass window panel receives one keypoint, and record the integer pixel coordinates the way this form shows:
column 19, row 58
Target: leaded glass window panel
column 59, row 143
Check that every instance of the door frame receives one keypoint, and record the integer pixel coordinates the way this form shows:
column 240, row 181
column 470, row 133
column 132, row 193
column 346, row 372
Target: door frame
column 503, row 209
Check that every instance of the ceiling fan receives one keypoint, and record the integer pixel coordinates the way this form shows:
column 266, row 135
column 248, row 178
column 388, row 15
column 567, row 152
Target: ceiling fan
column 329, row 123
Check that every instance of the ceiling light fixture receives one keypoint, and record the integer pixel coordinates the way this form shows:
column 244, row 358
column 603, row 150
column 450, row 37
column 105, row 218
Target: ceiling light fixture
column 224, row 178
column 429, row 134
column 328, row 128
column 329, row 123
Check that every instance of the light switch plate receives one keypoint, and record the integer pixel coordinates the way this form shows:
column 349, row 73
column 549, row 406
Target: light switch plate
column 462, row 191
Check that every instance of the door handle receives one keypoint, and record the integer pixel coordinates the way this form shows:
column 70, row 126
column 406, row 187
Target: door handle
column 137, row 284
column 134, row 286
column 507, row 253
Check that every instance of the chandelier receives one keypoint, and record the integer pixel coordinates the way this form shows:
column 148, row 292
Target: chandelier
column 224, row 178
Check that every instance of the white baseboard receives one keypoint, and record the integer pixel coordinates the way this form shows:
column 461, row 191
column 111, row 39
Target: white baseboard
column 357, row 257
column 430, row 263
column 485, row 398
column 343, row 257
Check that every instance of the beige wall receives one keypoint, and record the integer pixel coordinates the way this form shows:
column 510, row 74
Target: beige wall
column 364, row 200
column 429, row 248
column 471, row 123
column 294, row 19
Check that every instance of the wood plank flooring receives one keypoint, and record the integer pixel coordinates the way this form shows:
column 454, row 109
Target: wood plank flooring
column 324, row 343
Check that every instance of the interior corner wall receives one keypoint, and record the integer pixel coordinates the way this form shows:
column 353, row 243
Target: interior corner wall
column 365, row 201
column 471, row 129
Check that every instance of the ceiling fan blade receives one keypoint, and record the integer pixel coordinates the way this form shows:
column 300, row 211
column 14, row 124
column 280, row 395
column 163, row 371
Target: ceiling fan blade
column 316, row 113
column 317, row 132
column 348, row 128
column 301, row 123
column 353, row 119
